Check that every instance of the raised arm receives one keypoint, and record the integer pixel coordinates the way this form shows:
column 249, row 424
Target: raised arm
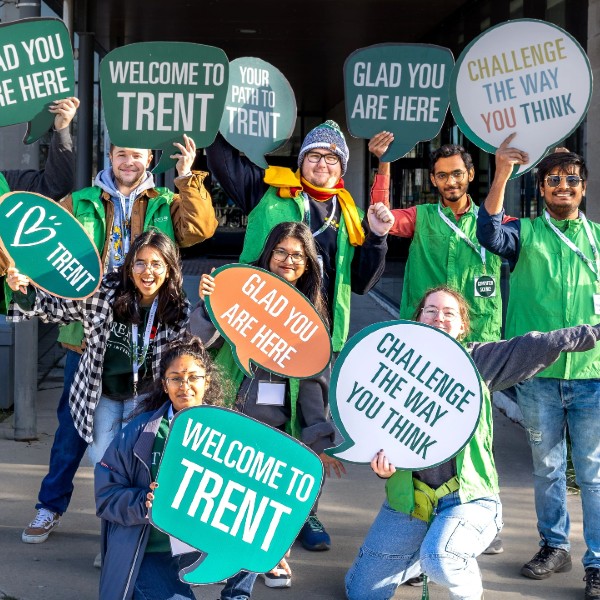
column 507, row 362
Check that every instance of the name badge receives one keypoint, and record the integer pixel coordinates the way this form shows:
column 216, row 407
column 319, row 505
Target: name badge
column 485, row 286
column 596, row 304
column 271, row 393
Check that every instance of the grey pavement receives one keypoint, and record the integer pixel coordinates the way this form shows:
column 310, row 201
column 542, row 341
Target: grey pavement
column 61, row 568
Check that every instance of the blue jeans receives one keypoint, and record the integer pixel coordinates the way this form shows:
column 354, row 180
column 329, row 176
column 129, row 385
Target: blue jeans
column 109, row 418
column 399, row 546
column 158, row 579
column 549, row 406
column 67, row 450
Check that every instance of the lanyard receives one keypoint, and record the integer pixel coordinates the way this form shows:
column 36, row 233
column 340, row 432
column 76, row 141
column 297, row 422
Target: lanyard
column 126, row 206
column 139, row 358
column 327, row 220
column 593, row 266
column 462, row 235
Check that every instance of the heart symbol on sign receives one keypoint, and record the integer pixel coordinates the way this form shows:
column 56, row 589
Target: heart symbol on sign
column 34, row 228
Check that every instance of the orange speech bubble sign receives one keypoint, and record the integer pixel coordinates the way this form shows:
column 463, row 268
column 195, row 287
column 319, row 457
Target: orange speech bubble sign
column 269, row 322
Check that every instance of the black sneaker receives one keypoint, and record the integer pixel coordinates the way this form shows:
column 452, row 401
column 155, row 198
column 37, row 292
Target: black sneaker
column 547, row 561
column 415, row 581
column 592, row 583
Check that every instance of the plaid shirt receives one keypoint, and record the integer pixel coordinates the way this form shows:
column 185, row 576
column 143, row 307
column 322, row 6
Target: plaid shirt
column 96, row 315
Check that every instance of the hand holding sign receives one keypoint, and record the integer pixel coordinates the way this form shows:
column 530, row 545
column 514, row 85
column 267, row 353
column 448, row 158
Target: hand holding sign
column 518, row 77
column 400, row 88
column 154, row 92
column 260, row 113
column 36, row 68
column 49, row 245
column 408, row 388
column 268, row 321
column 234, row 488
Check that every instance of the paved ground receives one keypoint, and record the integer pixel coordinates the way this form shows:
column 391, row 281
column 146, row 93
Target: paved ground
column 61, row 568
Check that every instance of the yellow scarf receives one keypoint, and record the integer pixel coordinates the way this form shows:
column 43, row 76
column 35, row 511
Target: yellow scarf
column 289, row 183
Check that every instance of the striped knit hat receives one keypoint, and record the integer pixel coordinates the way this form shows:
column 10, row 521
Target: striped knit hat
column 328, row 136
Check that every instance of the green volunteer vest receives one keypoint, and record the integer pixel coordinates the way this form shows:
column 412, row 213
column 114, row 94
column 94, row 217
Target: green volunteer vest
column 4, row 189
column 475, row 467
column 437, row 256
column 552, row 288
column 88, row 209
column 272, row 210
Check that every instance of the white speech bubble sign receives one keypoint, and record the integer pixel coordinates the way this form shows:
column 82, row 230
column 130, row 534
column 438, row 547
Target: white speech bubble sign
column 527, row 77
column 406, row 388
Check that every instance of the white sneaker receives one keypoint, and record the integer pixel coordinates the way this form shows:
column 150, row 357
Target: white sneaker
column 277, row 579
column 41, row 527
column 98, row 561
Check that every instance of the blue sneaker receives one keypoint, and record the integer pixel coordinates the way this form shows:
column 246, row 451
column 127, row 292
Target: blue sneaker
column 313, row 535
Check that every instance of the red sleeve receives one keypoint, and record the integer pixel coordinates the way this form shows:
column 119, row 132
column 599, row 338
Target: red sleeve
column 380, row 192
column 405, row 220
column 508, row 218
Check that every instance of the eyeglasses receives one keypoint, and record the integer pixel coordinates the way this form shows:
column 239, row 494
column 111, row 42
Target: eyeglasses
column 139, row 267
column 177, row 382
column 430, row 312
column 281, row 255
column 457, row 175
column 330, row 159
column 554, row 180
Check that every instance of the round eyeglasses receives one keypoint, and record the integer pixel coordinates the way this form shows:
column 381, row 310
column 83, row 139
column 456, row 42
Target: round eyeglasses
column 330, row 159
column 139, row 267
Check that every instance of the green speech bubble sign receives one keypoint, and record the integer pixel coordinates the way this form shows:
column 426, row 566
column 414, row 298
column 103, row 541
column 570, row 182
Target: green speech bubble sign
column 49, row 245
column 36, row 68
column 401, row 88
column 518, row 77
column 408, row 388
column 260, row 112
column 234, row 488
column 154, row 92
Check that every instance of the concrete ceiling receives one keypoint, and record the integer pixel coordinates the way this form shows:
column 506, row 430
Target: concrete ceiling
column 307, row 40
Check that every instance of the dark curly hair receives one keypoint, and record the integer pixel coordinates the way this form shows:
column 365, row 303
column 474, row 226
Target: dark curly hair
column 171, row 297
column 189, row 346
column 565, row 161
column 448, row 150
column 310, row 282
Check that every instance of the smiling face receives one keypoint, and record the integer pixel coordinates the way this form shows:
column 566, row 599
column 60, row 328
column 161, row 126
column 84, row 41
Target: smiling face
column 149, row 272
column 452, row 190
column 185, row 382
column 563, row 201
column 321, row 174
column 129, row 167
column 286, row 268
column 442, row 310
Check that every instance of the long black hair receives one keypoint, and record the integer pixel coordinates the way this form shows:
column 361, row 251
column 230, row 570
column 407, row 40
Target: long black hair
column 189, row 346
column 171, row 298
column 310, row 282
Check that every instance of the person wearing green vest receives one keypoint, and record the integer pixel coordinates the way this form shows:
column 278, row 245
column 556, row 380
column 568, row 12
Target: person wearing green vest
column 351, row 248
column 555, row 282
column 122, row 203
column 55, row 181
column 444, row 247
column 440, row 519
column 299, row 407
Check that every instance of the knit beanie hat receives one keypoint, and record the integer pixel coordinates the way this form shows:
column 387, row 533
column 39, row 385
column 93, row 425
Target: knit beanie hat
column 328, row 136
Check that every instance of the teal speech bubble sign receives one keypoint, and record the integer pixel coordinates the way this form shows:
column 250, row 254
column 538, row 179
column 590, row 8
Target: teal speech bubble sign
column 518, row 77
column 408, row 388
column 260, row 112
column 49, row 245
column 36, row 68
column 401, row 88
column 154, row 92
column 234, row 488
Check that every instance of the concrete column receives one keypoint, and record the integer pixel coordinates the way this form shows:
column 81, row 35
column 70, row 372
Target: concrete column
column 592, row 142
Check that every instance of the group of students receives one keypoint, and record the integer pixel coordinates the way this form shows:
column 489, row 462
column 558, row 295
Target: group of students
column 144, row 358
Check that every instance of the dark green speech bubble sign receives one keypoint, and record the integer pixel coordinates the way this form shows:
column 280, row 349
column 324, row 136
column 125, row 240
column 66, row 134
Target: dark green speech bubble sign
column 36, row 68
column 234, row 488
column 154, row 92
column 260, row 113
column 49, row 245
column 401, row 88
